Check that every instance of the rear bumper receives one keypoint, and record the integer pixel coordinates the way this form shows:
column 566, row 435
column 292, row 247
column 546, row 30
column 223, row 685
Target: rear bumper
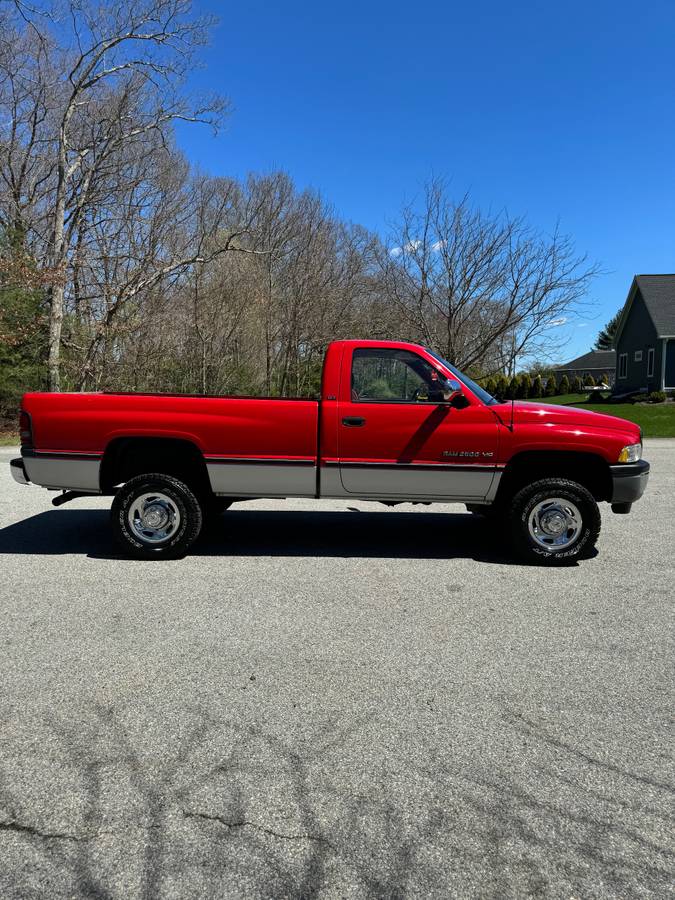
column 18, row 471
column 629, row 481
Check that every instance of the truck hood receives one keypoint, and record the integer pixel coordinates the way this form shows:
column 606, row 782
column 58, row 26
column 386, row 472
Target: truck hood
column 531, row 413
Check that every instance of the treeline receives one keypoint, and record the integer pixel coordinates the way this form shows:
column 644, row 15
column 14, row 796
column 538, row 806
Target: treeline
column 121, row 266
column 525, row 386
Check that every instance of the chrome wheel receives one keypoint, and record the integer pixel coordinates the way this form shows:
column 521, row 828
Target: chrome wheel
column 154, row 518
column 555, row 523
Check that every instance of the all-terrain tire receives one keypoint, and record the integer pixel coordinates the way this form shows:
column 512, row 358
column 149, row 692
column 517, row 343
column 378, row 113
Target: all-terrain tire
column 555, row 497
column 173, row 514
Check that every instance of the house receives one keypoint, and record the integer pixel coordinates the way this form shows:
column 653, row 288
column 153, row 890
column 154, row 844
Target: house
column 645, row 337
column 598, row 363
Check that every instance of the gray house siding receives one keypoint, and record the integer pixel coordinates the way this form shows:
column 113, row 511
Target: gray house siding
column 669, row 367
column 637, row 338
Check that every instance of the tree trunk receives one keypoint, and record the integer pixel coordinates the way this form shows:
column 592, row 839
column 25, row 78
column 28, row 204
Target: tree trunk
column 55, row 325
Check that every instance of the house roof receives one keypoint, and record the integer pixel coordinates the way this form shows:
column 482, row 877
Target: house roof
column 658, row 292
column 595, row 359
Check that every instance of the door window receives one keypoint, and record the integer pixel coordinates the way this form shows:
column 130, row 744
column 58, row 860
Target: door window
column 391, row 376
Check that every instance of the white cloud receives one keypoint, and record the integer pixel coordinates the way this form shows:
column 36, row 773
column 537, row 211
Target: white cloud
column 438, row 245
column 582, row 325
column 556, row 323
column 410, row 247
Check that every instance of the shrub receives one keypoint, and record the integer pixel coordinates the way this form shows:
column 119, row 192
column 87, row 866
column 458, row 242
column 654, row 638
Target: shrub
column 501, row 387
column 564, row 385
column 589, row 381
column 605, row 379
column 491, row 386
column 550, row 386
column 525, row 387
column 513, row 388
column 537, row 389
column 577, row 386
column 657, row 397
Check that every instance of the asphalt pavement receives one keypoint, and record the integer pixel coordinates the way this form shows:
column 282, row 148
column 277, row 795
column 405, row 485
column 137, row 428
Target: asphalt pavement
column 334, row 700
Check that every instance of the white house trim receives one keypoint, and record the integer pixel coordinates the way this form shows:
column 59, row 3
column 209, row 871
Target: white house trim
column 622, row 357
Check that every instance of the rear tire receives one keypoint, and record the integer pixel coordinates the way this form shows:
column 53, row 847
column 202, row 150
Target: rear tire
column 156, row 516
column 554, row 521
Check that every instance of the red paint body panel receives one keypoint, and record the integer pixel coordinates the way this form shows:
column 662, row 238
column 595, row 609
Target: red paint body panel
column 423, row 433
column 219, row 426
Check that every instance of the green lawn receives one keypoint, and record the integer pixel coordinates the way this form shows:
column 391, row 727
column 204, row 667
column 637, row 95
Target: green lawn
column 655, row 419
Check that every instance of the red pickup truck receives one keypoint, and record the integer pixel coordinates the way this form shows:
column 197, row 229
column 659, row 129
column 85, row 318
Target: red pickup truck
column 394, row 423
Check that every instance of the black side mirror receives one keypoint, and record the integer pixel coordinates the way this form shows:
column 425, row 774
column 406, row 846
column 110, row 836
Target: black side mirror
column 447, row 390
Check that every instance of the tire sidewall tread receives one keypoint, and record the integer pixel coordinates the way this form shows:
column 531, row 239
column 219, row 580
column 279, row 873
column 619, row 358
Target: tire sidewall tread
column 188, row 505
column 528, row 497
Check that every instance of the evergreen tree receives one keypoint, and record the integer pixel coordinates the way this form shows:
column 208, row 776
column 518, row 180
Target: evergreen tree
column 550, row 386
column 537, row 389
column 577, row 385
column 605, row 379
column 605, row 339
column 502, row 387
column 589, row 381
column 525, row 386
column 23, row 329
column 514, row 387
column 564, row 386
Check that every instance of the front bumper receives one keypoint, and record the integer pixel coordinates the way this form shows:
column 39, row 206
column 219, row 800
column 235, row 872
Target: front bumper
column 629, row 481
column 18, row 471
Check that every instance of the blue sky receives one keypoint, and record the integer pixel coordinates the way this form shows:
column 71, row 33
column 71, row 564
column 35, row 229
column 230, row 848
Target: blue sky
column 555, row 111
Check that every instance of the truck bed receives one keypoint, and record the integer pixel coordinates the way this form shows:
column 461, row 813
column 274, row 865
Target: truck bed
column 247, row 442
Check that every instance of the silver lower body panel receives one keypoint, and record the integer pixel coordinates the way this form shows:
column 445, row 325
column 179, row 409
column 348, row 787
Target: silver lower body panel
column 262, row 479
column 57, row 472
column 439, row 485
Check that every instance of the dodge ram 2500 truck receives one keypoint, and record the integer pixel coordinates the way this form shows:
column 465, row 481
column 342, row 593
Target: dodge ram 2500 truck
column 394, row 423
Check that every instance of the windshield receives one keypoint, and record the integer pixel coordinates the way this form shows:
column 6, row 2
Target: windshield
column 480, row 392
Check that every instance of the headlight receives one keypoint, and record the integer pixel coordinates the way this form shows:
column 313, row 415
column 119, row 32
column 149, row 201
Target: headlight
column 631, row 453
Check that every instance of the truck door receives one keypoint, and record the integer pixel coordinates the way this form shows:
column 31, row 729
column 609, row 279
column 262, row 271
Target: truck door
column 395, row 439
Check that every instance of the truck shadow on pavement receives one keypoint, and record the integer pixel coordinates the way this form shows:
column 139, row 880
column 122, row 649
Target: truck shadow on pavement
column 247, row 532
column 218, row 807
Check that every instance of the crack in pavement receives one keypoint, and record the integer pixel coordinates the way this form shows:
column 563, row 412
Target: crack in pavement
column 36, row 832
column 21, row 828
column 270, row 831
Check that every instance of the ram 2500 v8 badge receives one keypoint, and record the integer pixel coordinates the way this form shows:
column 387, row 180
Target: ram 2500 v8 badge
column 394, row 423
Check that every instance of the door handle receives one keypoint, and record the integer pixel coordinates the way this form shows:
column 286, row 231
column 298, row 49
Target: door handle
column 353, row 421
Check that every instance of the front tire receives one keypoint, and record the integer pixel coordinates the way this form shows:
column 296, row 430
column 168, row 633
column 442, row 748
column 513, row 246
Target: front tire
column 554, row 521
column 156, row 516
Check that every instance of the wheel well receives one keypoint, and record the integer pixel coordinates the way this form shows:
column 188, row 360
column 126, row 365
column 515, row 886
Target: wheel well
column 587, row 469
column 126, row 457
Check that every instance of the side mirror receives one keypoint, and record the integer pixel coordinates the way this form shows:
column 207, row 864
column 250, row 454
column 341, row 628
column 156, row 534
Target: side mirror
column 446, row 390
column 452, row 390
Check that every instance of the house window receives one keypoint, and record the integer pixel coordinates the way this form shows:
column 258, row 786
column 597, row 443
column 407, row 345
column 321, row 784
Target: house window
column 650, row 362
column 638, row 356
column 623, row 365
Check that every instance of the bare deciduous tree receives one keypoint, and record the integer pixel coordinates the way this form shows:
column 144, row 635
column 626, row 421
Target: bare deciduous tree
column 118, row 80
column 482, row 289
